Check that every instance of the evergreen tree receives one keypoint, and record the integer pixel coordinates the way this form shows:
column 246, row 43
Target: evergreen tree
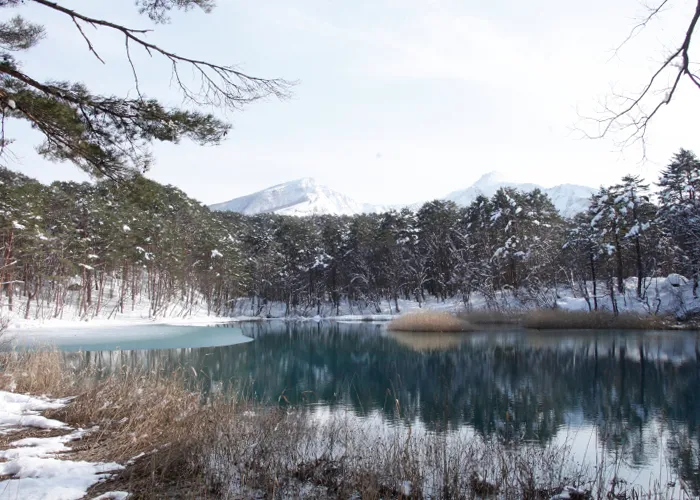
column 106, row 135
column 640, row 214
column 679, row 208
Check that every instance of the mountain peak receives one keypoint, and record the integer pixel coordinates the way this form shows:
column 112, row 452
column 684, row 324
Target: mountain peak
column 303, row 196
column 567, row 198
column 492, row 178
column 302, row 183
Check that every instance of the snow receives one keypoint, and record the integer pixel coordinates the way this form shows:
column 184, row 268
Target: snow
column 112, row 495
column 216, row 253
column 21, row 410
column 37, row 447
column 567, row 493
column 33, row 465
column 51, row 478
column 300, row 197
column 673, row 294
column 306, row 197
column 17, row 225
column 11, row 104
column 676, row 280
column 126, row 228
column 568, row 199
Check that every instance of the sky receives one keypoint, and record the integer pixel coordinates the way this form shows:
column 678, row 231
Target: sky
column 396, row 101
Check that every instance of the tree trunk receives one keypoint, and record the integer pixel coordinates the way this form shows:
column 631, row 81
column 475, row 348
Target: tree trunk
column 595, row 285
column 100, row 293
column 122, row 294
column 6, row 276
column 618, row 263
column 640, row 268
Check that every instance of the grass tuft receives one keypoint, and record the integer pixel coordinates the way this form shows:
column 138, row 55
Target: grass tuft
column 429, row 321
column 558, row 319
column 488, row 317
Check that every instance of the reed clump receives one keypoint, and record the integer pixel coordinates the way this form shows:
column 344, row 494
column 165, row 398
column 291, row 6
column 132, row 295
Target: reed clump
column 488, row 317
column 177, row 445
column 558, row 319
column 429, row 321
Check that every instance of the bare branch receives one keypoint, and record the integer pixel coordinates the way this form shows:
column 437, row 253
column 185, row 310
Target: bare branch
column 89, row 43
column 221, row 85
column 634, row 114
column 653, row 12
column 133, row 68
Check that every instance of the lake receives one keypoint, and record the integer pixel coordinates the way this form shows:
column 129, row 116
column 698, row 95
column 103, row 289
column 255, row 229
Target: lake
column 635, row 394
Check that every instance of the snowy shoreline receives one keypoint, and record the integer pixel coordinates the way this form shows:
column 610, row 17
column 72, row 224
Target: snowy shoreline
column 671, row 296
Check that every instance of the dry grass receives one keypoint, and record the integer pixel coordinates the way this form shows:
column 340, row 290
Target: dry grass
column 487, row 317
column 37, row 372
column 558, row 319
column 228, row 449
column 429, row 321
column 4, row 339
column 148, row 415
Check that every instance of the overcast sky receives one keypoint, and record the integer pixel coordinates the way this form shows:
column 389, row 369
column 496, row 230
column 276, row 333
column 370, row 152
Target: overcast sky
column 398, row 100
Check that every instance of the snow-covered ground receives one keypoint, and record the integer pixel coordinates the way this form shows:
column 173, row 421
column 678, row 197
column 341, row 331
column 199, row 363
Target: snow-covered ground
column 672, row 295
column 37, row 466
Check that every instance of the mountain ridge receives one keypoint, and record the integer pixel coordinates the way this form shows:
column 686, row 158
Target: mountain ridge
column 305, row 196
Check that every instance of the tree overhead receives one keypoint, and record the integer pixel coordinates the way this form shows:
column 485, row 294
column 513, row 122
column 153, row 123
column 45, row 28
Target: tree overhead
column 109, row 136
column 629, row 115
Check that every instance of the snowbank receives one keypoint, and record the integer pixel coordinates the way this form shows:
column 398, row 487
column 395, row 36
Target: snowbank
column 34, row 465
column 672, row 295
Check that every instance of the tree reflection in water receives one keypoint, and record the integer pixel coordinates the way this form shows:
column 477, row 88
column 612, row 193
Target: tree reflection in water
column 640, row 391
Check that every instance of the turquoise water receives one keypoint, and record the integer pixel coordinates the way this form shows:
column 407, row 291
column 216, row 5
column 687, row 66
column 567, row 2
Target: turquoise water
column 635, row 394
column 131, row 338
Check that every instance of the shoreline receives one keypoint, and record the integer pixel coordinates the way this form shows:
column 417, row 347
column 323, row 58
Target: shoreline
column 236, row 446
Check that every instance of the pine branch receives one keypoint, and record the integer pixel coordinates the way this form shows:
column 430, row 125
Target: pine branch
column 220, row 85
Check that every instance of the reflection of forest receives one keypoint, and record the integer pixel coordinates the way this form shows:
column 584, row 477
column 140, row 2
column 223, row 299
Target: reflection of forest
column 524, row 385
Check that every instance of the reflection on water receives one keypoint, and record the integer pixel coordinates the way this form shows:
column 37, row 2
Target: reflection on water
column 639, row 393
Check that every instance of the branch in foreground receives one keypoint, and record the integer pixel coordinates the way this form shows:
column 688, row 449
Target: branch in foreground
column 219, row 85
column 631, row 116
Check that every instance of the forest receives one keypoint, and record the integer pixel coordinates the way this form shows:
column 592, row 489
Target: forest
column 74, row 245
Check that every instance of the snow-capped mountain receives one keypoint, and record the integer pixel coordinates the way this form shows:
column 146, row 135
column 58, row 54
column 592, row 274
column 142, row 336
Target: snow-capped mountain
column 307, row 197
column 569, row 199
column 300, row 197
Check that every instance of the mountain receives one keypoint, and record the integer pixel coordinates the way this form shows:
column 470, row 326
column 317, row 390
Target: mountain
column 300, row 197
column 306, row 197
column 569, row 199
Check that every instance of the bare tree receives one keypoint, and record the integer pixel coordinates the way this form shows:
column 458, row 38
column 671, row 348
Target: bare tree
column 628, row 116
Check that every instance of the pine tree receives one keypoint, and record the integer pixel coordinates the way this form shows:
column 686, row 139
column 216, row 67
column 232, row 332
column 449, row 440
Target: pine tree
column 108, row 136
column 610, row 225
column 679, row 208
column 640, row 214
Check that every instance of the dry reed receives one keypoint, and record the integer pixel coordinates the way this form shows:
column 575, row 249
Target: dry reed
column 558, row 319
column 429, row 321
column 176, row 447
column 488, row 317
